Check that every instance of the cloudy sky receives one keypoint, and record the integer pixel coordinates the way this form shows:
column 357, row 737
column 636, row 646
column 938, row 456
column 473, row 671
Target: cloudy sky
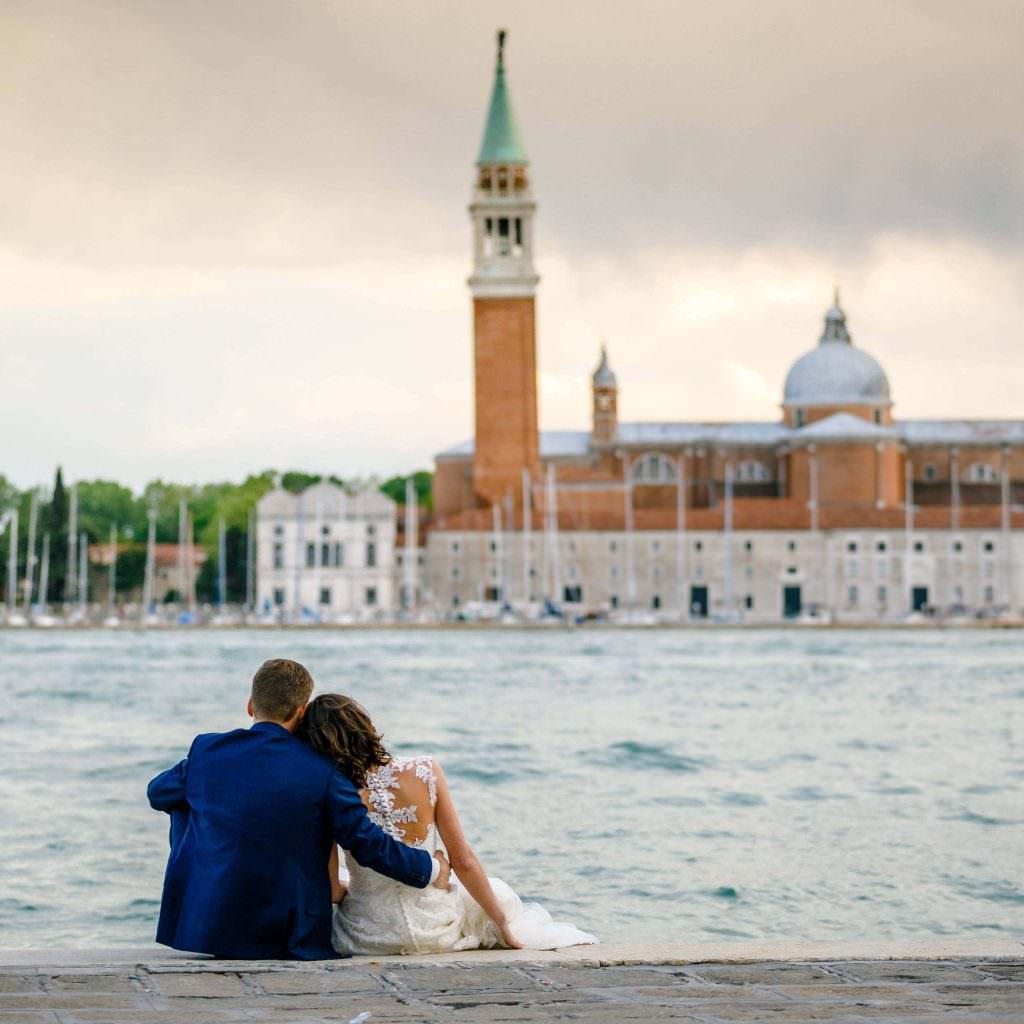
column 233, row 233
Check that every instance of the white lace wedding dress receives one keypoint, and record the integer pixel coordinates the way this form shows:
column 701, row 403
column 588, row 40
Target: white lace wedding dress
column 381, row 916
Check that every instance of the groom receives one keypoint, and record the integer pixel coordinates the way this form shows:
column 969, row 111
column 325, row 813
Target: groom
column 254, row 816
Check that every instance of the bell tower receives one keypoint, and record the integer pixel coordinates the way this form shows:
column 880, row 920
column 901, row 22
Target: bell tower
column 503, row 285
column 605, row 406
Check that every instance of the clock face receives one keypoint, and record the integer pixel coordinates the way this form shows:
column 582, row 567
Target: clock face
column 604, row 402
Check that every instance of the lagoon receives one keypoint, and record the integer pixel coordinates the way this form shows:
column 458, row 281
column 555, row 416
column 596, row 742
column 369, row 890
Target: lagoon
column 650, row 785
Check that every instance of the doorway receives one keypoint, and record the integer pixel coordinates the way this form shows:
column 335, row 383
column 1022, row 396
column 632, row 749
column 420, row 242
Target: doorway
column 792, row 602
column 699, row 602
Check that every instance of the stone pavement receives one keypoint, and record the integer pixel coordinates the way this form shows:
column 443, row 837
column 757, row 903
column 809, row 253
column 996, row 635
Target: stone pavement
column 600, row 984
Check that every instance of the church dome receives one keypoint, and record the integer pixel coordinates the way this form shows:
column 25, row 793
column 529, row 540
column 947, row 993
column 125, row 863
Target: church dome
column 836, row 373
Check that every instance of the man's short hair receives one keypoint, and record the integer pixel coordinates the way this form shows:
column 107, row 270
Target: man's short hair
column 280, row 689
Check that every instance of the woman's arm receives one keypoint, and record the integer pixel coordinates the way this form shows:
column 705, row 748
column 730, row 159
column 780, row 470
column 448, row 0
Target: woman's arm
column 465, row 862
column 338, row 888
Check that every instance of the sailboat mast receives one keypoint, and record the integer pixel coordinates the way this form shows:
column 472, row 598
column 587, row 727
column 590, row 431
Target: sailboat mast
column 222, row 574
column 250, row 548
column 727, row 540
column 83, row 572
column 627, row 497
column 112, row 578
column 527, row 526
column 30, row 556
column 147, row 586
column 182, row 553
column 44, row 573
column 69, row 583
column 411, row 529
column 12, row 562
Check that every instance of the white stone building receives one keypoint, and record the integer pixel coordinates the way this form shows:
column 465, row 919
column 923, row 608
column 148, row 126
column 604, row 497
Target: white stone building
column 325, row 554
column 753, row 576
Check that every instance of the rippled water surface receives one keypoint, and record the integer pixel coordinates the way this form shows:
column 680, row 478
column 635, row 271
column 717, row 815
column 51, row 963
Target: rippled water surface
column 649, row 785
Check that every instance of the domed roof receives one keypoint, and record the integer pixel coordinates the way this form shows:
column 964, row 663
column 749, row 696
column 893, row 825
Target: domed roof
column 836, row 373
column 604, row 376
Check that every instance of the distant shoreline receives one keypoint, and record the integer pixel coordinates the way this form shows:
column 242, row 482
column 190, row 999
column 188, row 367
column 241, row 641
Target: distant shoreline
column 588, row 627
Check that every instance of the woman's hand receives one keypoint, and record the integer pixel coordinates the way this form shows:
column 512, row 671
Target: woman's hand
column 508, row 940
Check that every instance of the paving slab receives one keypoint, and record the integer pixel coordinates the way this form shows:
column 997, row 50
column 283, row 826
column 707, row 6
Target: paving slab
column 599, row 984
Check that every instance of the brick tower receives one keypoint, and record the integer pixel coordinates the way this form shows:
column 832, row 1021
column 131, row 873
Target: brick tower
column 503, row 285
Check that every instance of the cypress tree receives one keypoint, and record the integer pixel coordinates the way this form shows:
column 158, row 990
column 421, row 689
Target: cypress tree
column 55, row 517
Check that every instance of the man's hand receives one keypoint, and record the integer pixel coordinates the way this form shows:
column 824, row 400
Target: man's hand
column 444, row 875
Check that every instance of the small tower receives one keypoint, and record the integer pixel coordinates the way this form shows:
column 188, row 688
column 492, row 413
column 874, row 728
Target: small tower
column 605, row 403
column 503, row 285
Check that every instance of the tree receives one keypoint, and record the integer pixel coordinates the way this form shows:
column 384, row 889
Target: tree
column 423, row 481
column 54, row 520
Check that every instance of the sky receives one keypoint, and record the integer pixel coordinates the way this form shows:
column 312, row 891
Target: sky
column 234, row 236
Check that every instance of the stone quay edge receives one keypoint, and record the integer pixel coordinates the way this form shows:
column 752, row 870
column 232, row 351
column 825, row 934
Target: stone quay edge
column 949, row 980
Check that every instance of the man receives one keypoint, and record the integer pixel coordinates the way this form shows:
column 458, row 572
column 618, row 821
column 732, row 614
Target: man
column 254, row 817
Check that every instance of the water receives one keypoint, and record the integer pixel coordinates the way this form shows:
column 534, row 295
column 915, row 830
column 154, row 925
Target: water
column 648, row 785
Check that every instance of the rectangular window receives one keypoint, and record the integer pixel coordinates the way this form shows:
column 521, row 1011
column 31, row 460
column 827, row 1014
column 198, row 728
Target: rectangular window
column 958, row 595
column 883, row 568
column 325, row 554
column 990, row 595
column 852, row 596
column 749, row 601
column 371, row 555
column 278, row 531
column 791, row 545
column 519, row 231
column 325, row 595
column 748, row 545
column 852, row 567
column 310, row 556
column 572, row 595
column 339, row 555
column 371, row 596
column 613, row 601
column 958, row 546
column 698, row 545
column 279, row 596
column 278, row 556
column 883, row 595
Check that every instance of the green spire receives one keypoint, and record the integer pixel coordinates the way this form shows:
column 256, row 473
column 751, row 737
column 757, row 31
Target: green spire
column 502, row 144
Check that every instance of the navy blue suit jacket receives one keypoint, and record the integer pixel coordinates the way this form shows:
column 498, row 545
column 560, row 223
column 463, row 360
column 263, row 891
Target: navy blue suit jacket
column 253, row 815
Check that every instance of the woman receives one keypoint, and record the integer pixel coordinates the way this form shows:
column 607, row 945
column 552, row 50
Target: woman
column 410, row 800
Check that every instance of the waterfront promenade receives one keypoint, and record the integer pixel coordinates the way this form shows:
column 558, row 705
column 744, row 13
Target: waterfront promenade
column 951, row 982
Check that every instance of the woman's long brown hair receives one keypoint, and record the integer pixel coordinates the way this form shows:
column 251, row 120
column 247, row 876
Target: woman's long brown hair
column 337, row 727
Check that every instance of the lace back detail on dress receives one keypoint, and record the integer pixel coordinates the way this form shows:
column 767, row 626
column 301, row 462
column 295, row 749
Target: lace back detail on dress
column 396, row 797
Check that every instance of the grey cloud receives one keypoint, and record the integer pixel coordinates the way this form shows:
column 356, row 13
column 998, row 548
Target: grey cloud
column 273, row 133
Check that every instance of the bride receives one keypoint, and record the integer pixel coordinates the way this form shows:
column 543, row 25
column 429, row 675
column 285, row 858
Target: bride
column 410, row 800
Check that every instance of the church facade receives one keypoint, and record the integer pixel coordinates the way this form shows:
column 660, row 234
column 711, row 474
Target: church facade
column 837, row 509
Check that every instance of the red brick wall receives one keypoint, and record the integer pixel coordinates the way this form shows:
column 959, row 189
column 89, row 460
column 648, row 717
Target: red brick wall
column 506, row 396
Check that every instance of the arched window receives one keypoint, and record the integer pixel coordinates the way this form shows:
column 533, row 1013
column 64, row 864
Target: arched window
column 980, row 473
column 752, row 472
column 654, row 469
